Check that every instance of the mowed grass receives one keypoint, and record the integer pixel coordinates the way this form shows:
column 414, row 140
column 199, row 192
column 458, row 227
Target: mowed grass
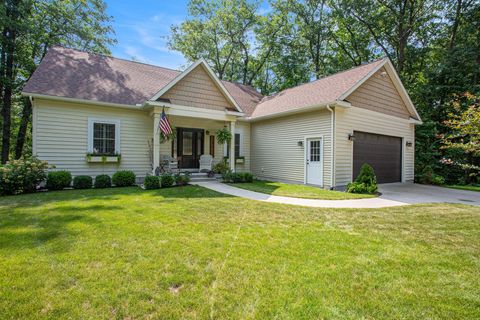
column 191, row 253
column 466, row 187
column 297, row 190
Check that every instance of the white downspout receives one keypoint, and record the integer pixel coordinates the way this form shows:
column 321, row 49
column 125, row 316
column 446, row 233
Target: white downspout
column 332, row 152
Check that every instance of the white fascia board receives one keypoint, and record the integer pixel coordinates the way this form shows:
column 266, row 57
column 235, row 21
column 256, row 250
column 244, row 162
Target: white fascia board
column 81, row 101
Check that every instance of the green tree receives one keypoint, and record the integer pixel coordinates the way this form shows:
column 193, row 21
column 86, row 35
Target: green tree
column 464, row 136
column 30, row 27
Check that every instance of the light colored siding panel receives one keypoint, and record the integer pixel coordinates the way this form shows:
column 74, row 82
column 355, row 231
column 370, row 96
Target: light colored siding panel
column 358, row 119
column 197, row 89
column 379, row 94
column 275, row 151
column 60, row 137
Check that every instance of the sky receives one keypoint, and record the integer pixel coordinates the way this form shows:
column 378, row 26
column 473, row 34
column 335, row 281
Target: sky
column 142, row 27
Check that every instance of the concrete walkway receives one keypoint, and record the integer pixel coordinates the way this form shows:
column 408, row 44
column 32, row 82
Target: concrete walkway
column 357, row 203
column 394, row 194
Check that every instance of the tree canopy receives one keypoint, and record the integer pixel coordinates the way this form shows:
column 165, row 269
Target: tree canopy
column 434, row 45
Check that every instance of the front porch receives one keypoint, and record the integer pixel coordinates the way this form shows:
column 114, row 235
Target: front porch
column 195, row 135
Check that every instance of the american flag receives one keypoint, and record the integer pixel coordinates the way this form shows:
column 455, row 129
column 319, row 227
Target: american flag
column 164, row 125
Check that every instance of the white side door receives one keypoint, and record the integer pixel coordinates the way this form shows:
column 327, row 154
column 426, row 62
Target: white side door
column 314, row 161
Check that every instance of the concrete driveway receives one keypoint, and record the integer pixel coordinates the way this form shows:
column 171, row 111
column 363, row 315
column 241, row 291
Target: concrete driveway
column 417, row 193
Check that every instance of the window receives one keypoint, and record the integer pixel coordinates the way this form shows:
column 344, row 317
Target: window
column 237, row 146
column 103, row 136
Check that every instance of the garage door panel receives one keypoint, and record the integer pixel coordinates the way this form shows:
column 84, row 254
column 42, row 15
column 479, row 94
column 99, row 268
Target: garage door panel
column 383, row 153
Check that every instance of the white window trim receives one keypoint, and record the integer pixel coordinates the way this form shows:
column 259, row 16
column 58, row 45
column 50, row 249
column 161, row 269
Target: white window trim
column 242, row 137
column 116, row 122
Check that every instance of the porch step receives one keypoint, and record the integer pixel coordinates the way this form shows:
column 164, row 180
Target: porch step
column 200, row 176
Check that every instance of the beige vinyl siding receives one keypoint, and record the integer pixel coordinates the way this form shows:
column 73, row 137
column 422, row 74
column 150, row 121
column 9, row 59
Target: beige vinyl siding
column 275, row 151
column 198, row 89
column 211, row 126
column 379, row 94
column 358, row 119
column 60, row 134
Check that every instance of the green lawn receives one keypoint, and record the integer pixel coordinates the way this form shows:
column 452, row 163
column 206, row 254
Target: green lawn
column 191, row 253
column 466, row 187
column 297, row 190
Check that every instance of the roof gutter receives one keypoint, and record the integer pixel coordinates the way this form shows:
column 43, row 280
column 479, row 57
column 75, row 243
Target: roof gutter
column 332, row 147
column 81, row 101
column 338, row 103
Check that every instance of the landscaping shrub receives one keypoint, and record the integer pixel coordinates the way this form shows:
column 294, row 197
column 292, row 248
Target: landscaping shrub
column 221, row 167
column 237, row 177
column 124, row 178
column 182, row 179
column 152, row 182
column 58, row 180
column 246, row 177
column 82, row 182
column 366, row 182
column 428, row 176
column 167, row 180
column 22, row 176
column 103, row 181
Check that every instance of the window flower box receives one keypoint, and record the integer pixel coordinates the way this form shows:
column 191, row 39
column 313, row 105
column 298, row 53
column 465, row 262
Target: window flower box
column 239, row 160
column 103, row 159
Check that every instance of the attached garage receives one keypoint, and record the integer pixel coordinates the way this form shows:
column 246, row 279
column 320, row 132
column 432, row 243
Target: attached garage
column 383, row 153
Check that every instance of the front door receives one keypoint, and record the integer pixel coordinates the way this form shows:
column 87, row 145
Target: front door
column 189, row 147
column 314, row 163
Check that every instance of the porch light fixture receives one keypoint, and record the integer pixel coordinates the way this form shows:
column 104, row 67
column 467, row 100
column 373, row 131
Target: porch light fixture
column 300, row 143
column 207, row 133
column 351, row 137
column 409, row 143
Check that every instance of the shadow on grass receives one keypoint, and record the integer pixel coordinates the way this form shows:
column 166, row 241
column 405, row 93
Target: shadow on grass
column 262, row 186
column 25, row 231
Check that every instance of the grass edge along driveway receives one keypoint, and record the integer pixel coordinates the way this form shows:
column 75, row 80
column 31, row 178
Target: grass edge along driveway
column 189, row 253
column 298, row 191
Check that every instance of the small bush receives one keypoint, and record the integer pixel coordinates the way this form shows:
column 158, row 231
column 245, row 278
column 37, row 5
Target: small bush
column 124, row 178
column 237, row 177
column 182, row 179
column 22, row 176
column 221, row 167
column 152, row 182
column 428, row 176
column 246, row 177
column 103, row 181
column 366, row 182
column 82, row 182
column 167, row 180
column 58, row 180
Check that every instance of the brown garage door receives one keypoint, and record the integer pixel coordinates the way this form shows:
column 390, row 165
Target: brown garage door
column 383, row 153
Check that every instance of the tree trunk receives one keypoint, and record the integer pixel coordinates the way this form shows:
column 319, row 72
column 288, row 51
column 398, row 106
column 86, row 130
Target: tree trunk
column 11, row 34
column 456, row 22
column 22, row 131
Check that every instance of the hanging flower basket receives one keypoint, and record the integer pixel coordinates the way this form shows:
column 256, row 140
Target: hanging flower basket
column 223, row 135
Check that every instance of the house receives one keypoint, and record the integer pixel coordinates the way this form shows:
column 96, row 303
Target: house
column 317, row 133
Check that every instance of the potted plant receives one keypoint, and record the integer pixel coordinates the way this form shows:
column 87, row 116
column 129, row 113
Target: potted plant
column 223, row 135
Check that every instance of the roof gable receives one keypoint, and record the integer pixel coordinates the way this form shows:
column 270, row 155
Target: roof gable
column 395, row 81
column 198, row 86
column 378, row 93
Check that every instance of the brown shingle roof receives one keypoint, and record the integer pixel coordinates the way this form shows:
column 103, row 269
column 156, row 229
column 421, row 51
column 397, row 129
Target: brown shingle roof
column 320, row 91
column 81, row 75
column 77, row 74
